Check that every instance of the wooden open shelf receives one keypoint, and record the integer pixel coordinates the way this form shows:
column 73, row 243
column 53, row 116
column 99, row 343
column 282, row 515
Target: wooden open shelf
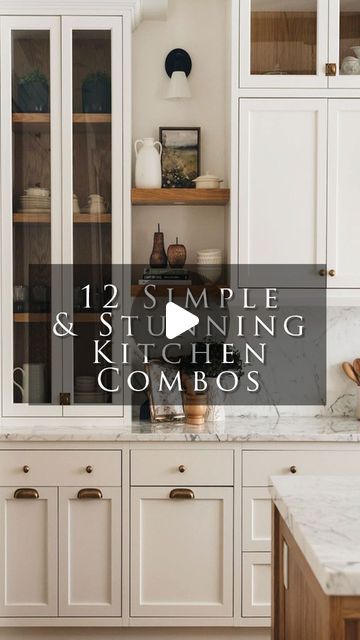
column 45, row 218
column 219, row 197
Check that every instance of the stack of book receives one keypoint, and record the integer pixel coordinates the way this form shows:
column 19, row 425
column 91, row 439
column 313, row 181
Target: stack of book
column 165, row 276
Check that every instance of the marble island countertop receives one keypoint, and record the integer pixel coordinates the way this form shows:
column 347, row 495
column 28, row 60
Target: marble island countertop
column 241, row 429
column 323, row 515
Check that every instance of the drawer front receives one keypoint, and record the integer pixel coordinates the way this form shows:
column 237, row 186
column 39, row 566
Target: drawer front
column 256, row 509
column 258, row 466
column 181, row 467
column 68, row 468
column 256, row 592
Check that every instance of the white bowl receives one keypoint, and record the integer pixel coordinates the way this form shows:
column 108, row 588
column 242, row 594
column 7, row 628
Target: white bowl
column 350, row 65
column 208, row 182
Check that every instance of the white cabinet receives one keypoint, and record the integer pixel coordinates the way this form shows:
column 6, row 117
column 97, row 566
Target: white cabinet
column 282, row 181
column 90, row 551
column 28, row 552
column 61, row 139
column 256, row 585
column 297, row 44
column 256, row 519
column 181, row 552
column 344, row 192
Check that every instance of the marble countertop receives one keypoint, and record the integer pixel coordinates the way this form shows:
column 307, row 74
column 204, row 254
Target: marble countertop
column 241, row 429
column 323, row 515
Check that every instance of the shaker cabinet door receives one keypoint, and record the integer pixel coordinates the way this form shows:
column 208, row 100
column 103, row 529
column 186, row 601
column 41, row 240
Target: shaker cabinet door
column 344, row 193
column 282, row 181
column 181, row 552
column 90, row 551
column 28, row 552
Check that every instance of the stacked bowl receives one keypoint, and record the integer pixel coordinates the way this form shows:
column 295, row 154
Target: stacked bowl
column 209, row 263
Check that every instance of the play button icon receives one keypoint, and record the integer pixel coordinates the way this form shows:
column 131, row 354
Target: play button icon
column 178, row 320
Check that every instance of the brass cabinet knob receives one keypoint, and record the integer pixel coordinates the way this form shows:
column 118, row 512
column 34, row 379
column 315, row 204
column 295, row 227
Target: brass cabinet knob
column 332, row 273
column 330, row 69
column 293, row 469
column 322, row 273
column 182, row 468
column 89, row 469
column 26, row 468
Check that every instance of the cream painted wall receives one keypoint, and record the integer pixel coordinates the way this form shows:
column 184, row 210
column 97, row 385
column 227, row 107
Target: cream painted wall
column 199, row 26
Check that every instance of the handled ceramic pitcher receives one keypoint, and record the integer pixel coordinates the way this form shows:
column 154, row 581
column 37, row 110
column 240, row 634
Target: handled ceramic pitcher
column 148, row 164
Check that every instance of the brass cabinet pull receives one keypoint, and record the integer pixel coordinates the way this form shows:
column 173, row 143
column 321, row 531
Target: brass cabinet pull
column 26, row 468
column 332, row 273
column 293, row 469
column 182, row 468
column 322, row 273
column 89, row 469
column 181, row 494
column 26, row 493
column 90, row 494
column 330, row 69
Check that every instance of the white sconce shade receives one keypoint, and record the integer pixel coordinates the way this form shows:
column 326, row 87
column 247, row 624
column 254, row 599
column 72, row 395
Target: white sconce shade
column 179, row 86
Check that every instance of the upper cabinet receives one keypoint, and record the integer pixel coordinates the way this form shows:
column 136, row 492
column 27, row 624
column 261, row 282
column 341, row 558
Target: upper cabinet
column 299, row 43
column 64, row 198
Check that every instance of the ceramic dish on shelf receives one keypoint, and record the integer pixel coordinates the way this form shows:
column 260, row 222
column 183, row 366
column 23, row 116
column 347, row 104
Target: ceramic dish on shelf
column 208, row 181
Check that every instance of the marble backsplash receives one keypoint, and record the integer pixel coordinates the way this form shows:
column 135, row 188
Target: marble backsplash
column 343, row 343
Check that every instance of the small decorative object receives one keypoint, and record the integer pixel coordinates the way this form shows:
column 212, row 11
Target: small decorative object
column 33, row 93
column 164, row 405
column 195, row 407
column 96, row 93
column 148, row 164
column 76, row 208
column 216, row 396
column 350, row 65
column 158, row 256
column 96, row 203
column 32, row 386
column 178, row 67
column 176, row 255
column 181, row 156
column 208, row 182
column 21, row 298
column 356, row 51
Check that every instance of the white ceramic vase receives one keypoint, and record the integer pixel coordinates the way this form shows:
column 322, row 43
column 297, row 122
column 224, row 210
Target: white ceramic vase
column 216, row 400
column 148, row 164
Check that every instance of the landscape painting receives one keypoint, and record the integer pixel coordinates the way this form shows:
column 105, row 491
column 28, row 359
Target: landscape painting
column 180, row 157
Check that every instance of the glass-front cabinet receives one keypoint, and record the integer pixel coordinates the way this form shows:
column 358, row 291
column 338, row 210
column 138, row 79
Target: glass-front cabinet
column 299, row 43
column 283, row 43
column 62, row 207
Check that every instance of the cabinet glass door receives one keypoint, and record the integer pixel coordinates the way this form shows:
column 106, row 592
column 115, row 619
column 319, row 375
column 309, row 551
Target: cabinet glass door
column 283, row 43
column 31, row 209
column 345, row 42
column 93, row 233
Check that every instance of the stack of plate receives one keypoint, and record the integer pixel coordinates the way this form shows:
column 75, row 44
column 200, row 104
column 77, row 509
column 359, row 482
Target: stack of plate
column 35, row 200
column 210, row 264
column 85, row 391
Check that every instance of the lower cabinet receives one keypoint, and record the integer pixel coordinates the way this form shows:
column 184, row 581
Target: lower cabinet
column 256, row 587
column 90, row 551
column 182, row 552
column 28, row 551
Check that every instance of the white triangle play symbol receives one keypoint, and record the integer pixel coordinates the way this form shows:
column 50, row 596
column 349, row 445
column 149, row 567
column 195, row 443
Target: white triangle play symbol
column 178, row 320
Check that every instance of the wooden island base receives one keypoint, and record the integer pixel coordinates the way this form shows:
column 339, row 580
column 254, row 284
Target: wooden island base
column 301, row 610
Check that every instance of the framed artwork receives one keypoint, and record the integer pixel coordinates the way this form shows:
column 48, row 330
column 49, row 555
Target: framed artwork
column 165, row 405
column 181, row 156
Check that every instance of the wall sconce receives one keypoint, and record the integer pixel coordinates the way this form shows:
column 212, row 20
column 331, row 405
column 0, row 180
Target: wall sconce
column 178, row 67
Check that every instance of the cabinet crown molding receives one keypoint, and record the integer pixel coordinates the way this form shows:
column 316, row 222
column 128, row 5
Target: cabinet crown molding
column 139, row 9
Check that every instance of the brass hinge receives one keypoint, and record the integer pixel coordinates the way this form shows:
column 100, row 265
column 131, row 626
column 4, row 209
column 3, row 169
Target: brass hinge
column 65, row 398
column 330, row 68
